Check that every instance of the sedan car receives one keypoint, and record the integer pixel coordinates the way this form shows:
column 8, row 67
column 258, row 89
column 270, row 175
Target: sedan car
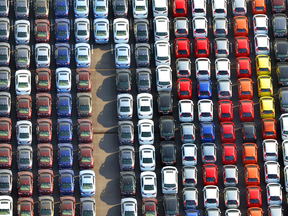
column 64, row 130
column 65, row 155
column 145, row 131
column 142, row 55
column 167, row 127
column 245, row 88
column 85, row 130
column 100, row 8
column 210, row 174
column 61, row 8
column 220, row 27
column 22, row 56
column 42, row 55
column 5, row 156
column 5, row 78
column 25, row 184
column 22, row 32
column 207, row 132
column 81, row 8
column 121, row 30
column 243, row 67
column 143, row 80
column 224, row 89
column 87, row 183
column 43, row 79
column 149, row 205
column 267, row 107
column 125, row 132
column 122, row 56
column 283, row 99
column 141, row 30
column 126, row 157
column 24, row 158
column 66, row 182
column 249, row 133
column 63, row 80
column 82, row 55
column 45, row 156
column 64, row 105
column 22, row 9
column 5, row 104
column 148, row 184
column 101, row 29
column 232, row 197
column 41, row 9
column 230, row 175
column 265, row 85
column 281, row 49
column 23, row 82
column 6, row 129
column 187, row 132
column 128, row 205
column 279, row 24
column 62, row 30
column 6, row 180
column 202, row 47
column 221, row 47
column 46, row 206
column 67, row 206
column 24, row 132
column 84, row 104
column 171, row 204
column 168, row 152
column 147, row 158
column 45, row 181
column 42, row 30
column 208, row 153
column 44, row 130
column 62, row 55
column 83, row 79
column 82, row 30
column 124, row 106
column 43, row 105
column 25, row 205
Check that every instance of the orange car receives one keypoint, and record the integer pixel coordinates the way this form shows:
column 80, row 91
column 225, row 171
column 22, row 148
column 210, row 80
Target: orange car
column 259, row 7
column 249, row 153
column 269, row 128
column 245, row 88
column 241, row 26
column 255, row 211
column 252, row 175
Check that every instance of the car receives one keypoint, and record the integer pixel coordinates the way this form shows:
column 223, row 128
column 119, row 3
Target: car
column 45, row 182
column 123, row 79
column 168, row 152
column 262, row 45
column 64, row 105
column 5, row 156
column 186, row 110
column 221, row 47
column 181, row 26
column 259, row 7
column 165, row 102
column 282, row 94
column 179, row 8
column 230, row 175
column 202, row 47
column 269, row 128
column 160, row 8
column 42, row 55
column 83, row 55
column 142, row 55
column 278, row 6
column 274, row 194
column 210, row 174
column 239, row 7
column 140, row 9
column 41, row 9
column 169, row 180
column 43, row 79
column 23, row 132
column 224, row 89
column 44, row 130
column 167, row 127
column 101, row 29
column 284, row 152
column 121, row 30
column 6, row 129
column 270, row 150
column 63, row 80
column 183, row 67
column 184, row 88
column 22, row 9
column 85, row 130
column 5, row 78
column 267, row 107
column 46, row 206
column 182, row 48
column 22, row 56
column 5, row 104
column 147, row 158
column 171, row 204
column 189, row 176
column 6, row 179
column 245, row 88
column 220, row 27
column 128, row 205
column 203, row 67
column 85, row 156
column 285, row 176
column 243, row 67
column 126, row 132
column 225, row 110
column 275, row 210
column 120, row 8
column 100, row 9
column 65, row 155
column 246, row 110
column 249, row 153
column 24, row 158
column 67, row 206
column 211, row 194
column 190, row 198
column 252, row 175
column 5, row 54
column 207, row 132
column 87, row 183
column 229, row 154
column 249, row 133
column 279, row 24
column 25, row 184
column 281, row 49
column 42, row 30
column 81, row 8
column 263, row 65
column 64, row 130
column 44, row 156
column 162, row 53
column 283, row 126
column 200, row 27
column 141, row 30
column 122, row 56
column 198, row 8
column 43, row 105
column 61, row 8
column 240, row 25
column 148, row 184
column 25, row 205
column 84, row 104
column 88, row 206
column 222, row 68
column 23, row 82
column 212, row 212
column 149, row 205
column 143, row 80
column 208, row 153
column 205, row 110
column 62, row 55
column 62, row 30
column 82, row 30
column 187, row 132
column 204, row 89
column 66, row 182
column 242, row 46
column 272, row 172
column 219, row 8
column 126, row 156
column 232, row 197
column 145, row 131
column 125, row 106
column 253, row 196
column 22, row 32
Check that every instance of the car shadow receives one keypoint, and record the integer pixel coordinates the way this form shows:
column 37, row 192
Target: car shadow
column 110, row 168
column 106, row 66
column 108, row 110
column 109, row 142
column 107, row 91
column 111, row 194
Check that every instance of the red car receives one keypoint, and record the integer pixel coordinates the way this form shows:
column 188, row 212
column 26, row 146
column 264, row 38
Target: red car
column 5, row 129
column 149, row 206
column 249, row 153
column 25, row 184
column 269, row 128
column 229, row 154
column 42, row 30
column 43, row 79
column 245, row 88
column 227, row 130
column 184, row 88
column 225, row 110
column 202, row 47
column 67, row 206
column 83, row 79
column 44, row 130
column 259, row 7
column 253, row 196
column 85, row 130
column 252, row 175
column 86, row 156
column 43, row 105
column 45, row 182
column 278, row 6
column 45, row 156
column 243, row 67
column 210, row 174
column 24, row 107
column 182, row 48
column 246, row 110
column 242, row 46
column 180, row 8
column 25, row 206
column 5, row 156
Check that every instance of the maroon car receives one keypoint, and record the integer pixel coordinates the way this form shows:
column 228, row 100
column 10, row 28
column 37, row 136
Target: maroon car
column 5, row 129
column 42, row 30
column 45, row 182
column 86, row 156
column 44, row 130
column 24, row 107
column 43, row 79
column 67, row 206
column 149, row 206
column 5, row 156
column 83, row 79
column 45, row 156
column 25, row 206
column 25, row 184
column 85, row 130
column 43, row 105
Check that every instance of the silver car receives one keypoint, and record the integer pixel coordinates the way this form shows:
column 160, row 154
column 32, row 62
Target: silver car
column 4, row 54
column 260, row 24
column 222, row 68
column 262, row 45
column 212, row 212
column 270, row 150
column 231, row 197
column 125, row 106
column 82, row 55
column 203, row 68
column 239, row 7
column 5, row 78
column 200, row 27
column 22, row 9
column 100, row 8
column 162, row 53
column 230, row 175
column 6, row 180
column 24, row 132
column 187, row 132
column 101, row 30
column 183, row 67
column 126, row 132
column 221, row 47
column 274, row 194
column 5, row 5
column 24, row 158
column 5, row 103
column 220, row 27
column 42, row 55
column 169, row 176
column 161, row 28
column 87, row 206
column 160, row 8
column 189, row 176
column 181, row 26
column 126, row 158
column 121, row 30
column 4, row 29
column 190, row 197
column 22, row 56
column 22, row 31
column 275, row 210
column 128, row 207
column 81, row 8
column 224, row 89
column 233, row 212
column 208, row 152
column 82, row 30
column 122, row 56
column 272, row 172
column 219, row 8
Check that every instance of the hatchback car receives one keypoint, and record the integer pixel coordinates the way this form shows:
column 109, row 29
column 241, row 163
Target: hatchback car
column 45, row 182
column 242, row 46
column 83, row 55
column 43, row 79
column 267, row 107
column 211, row 196
column 147, row 158
column 249, row 153
column 203, row 68
column 262, row 45
column 24, row 132
column 269, row 128
column 22, row 56
column 184, row 88
column 24, row 158
column 219, row 8
column 246, row 110
column 179, row 8
column 182, row 48
column 220, row 27
column 252, row 175
column 245, row 88
column 208, row 153
column 122, row 56
column 6, row 129
column 84, row 104
column 42, row 55
column 5, row 78
column 43, row 105
column 272, row 172
column 207, row 132
column 87, row 183
column 186, row 110
column 270, row 150
column 45, row 156
column 62, row 30
column 204, row 89
column 240, row 25
column 221, row 47
column 62, row 55
column 279, row 24
column 42, row 30
column 189, row 154
column 85, row 130
column 210, row 174
column 125, row 132
column 183, row 67
column 141, row 30
column 253, row 196
column 88, row 206
column 281, row 49
column 65, row 155
column 190, row 199
column 126, row 157
column 168, row 152
column 202, row 47
column 259, row 7
column 61, row 8
column 145, row 131
column 227, row 131
column 243, row 67
column 46, row 205
column 142, row 55
column 229, row 154
column 44, row 130
column 274, row 194
column 101, row 29
column 22, row 31
column 275, row 210
column 189, row 176
column 205, row 110
column 225, row 110
column 198, row 8
column 222, row 68
column 187, row 132
column 85, row 156
column 284, row 126
column 224, row 89
column 232, row 197
column 249, row 133
column 64, row 130
column 200, row 27
column 64, row 105
column 120, row 8
column 230, row 175
column 181, row 26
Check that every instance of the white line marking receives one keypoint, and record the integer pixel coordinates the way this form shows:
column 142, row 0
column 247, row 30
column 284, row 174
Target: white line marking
column 112, row 48
column 251, row 48
column 32, row 50
column 92, row 48
column 131, row 48
column 12, row 23
column 231, row 47
column 211, row 47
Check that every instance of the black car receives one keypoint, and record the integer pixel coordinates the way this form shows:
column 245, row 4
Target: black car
column 141, row 30
column 143, row 80
column 282, row 73
column 168, row 152
column 171, row 205
column 281, row 49
column 127, row 183
column 120, row 8
column 249, row 132
column 279, row 23
column 167, row 127
column 283, row 98
column 165, row 102
column 126, row 132
column 142, row 55
column 123, row 80
column 126, row 158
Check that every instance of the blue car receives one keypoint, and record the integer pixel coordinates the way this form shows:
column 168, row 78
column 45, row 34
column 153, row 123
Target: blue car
column 62, row 30
column 192, row 212
column 66, row 182
column 207, row 132
column 65, row 155
column 64, row 105
column 62, row 55
column 64, row 130
column 204, row 89
column 61, row 8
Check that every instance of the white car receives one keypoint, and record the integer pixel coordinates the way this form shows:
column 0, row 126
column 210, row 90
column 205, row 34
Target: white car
column 286, row 177
column 181, row 27
column 205, row 110
column 274, row 194
column 125, row 106
column 164, row 78
column 221, row 47
column 260, row 24
column 169, row 180
column 148, row 183
column 198, row 8
column 262, row 45
column 122, row 56
column 82, row 55
column 23, row 82
column 147, row 158
column 285, row 152
column 160, row 8
column 6, row 205
column 87, row 183
column 270, row 150
column 101, row 30
column 230, row 175
column 203, row 68
column 121, row 30
column 140, row 9
column 162, row 53
column 145, row 106
column 272, row 172
column 284, row 126
column 186, row 110
column 81, row 8
column 63, row 80
column 189, row 176
column 211, row 193
column 200, row 27
column 82, row 30
column 233, row 212
column 183, row 67
column 145, row 132
column 189, row 154
column 239, row 7
column 100, row 8
column 129, row 206
column 42, row 55
column 208, row 153
column 224, row 89
column 24, row 132
column 190, row 197
column 222, row 68
column 219, row 8
column 231, row 197
column 161, row 28
column 22, row 31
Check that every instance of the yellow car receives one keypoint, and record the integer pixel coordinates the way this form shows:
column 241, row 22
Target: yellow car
column 265, row 86
column 267, row 107
column 263, row 65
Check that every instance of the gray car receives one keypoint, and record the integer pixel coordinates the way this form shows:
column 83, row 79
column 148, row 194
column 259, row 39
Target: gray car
column 221, row 47
column 126, row 158
column 4, row 54
column 212, row 212
column 232, row 197
column 141, row 30
column 224, row 89
column 171, row 204
column 5, row 104
column 126, row 132
column 22, row 56
column 282, row 73
column 5, row 78
column 220, row 27
column 190, row 197
column 181, row 26
column 189, row 176
column 5, row 5
column 24, row 158
column 87, row 206
column 123, row 80
column 208, row 151
column 167, row 127
column 143, row 80
column 230, row 175
column 120, row 8
column 6, row 180
column 183, row 67
column 41, row 9
column 283, row 98
column 4, row 29
column 142, row 55
column 46, row 206
column 279, row 23
column 187, row 132
column 165, row 102
column 84, row 104
column 21, row 8
column 281, row 49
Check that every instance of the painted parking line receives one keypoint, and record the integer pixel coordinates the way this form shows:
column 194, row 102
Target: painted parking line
column 131, row 48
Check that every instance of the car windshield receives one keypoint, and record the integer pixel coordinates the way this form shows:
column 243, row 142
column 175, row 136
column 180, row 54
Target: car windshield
column 3, row 32
column 280, row 30
column 85, row 133
column 225, row 115
column 167, row 134
column 126, row 135
column 230, row 180
column 22, row 34
column 124, row 109
column 146, row 134
column 140, row 8
column 191, row 158
column 63, row 82
column 64, row 133
column 66, row 158
column 142, row 57
column 44, row 133
column 120, row 8
column 126, row 161
column 25, row 213
column 267, row 112
column 144, row 82
column 147, row 160
column 67, row 212
column 21, row 9
column 229, row 158
column 43, row 82
column 4, row 132
column 84, row 107
column 22, row 85
column 163, row 58
column 43, row 108
column 253, row 180
column 25, row 161
column 24, row 135
column 63, row 108
column 82, row 57
column 42, row 34
column 22, row 59
column 3, row 107
column 81, row 8
column 169, row 185
column 66, row 185
column 4, row 211
column 41, row 9
column 123, row 84
column 183, row 52
column 87, row 186
column 45, row 185
column 232, row 202
column 226, row 135
column 62, row 33
column 3, row 57
column 45, row 211
column 42, row 58
column 184, row 92
column 141, row 33
column 122, row 58
column 274, row 198
column 89, row 213
column 3, row 81
column 100, row 8
column 62, row 57
column 61, row 8
column 145, row 108
column 25, row 187
column 207, row 136
column 45, row 159
column 148, row 187
column 4, row 185
column 101, row 33
column 150, row 213
column 200, row 30
column 247, row 114
column 121, row 33
column 82, row 32
column 164, row 83
column 191, row 181
column 278, row 6
column 4, row 159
